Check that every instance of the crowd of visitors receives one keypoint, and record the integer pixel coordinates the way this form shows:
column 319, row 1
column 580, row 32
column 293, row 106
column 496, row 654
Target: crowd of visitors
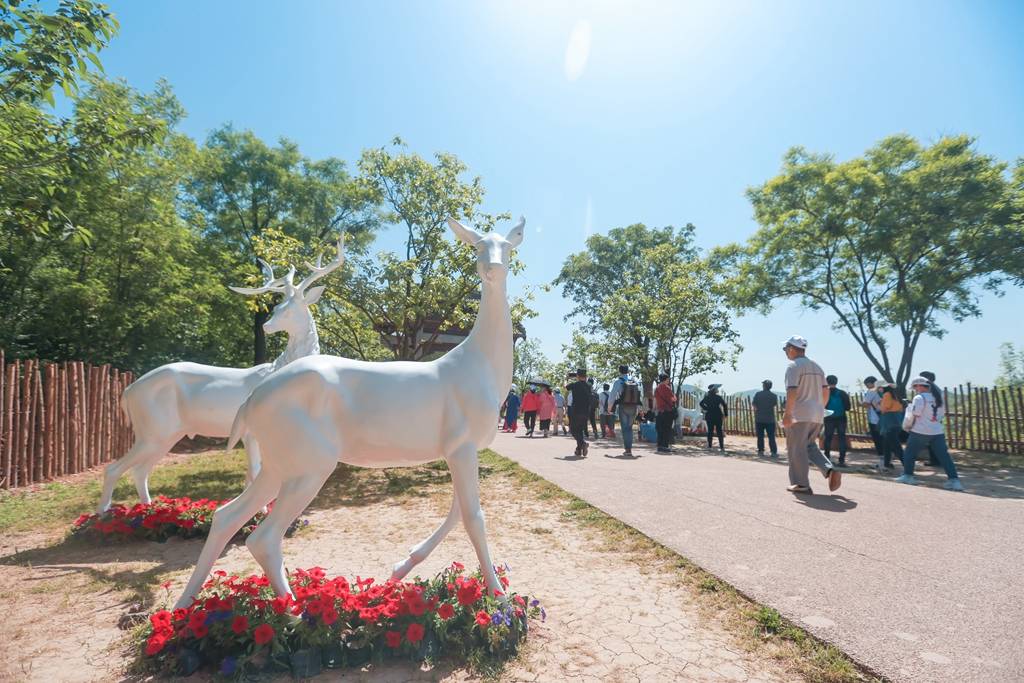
column 813, row 407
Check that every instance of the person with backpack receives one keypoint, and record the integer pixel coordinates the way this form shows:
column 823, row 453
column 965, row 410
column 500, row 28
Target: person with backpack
column 715, row 412
column 765, row 403
column 531, row 404
column 890, row 424
column 924, row 420
column 835, row 424
column 511, row 410
column 579, row 403
column 624, row 399
column 665, row 405
column 607, row 416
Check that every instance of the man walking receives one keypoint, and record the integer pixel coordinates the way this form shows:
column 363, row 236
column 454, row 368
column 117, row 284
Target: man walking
column 593, row 406
column 579, row 406
column 765, row 404
column 665, row 405
column 872, row 400
column 806, row 394
column 607, row 416
column 835, row 424
column 624, row 398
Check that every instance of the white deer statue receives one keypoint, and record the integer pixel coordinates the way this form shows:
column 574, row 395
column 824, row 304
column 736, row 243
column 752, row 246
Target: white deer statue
column 180, row 399
column 323, row 409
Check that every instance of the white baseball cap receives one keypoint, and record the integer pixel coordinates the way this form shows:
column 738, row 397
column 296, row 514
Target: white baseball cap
column 797, row 341
column 920, row 382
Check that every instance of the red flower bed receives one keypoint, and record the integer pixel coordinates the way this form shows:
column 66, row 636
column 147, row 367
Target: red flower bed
column 238, row 626
column 158, row 521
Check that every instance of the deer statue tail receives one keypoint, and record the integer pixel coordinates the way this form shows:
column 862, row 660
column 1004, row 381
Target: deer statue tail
column 238, row 428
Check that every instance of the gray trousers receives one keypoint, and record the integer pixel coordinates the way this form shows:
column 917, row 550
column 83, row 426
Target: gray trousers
column 802, row 448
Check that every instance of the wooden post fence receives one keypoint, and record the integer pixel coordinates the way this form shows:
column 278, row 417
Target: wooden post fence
column 58, row 419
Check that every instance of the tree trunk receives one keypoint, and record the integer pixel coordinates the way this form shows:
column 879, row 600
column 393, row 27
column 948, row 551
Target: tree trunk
column 259, row 337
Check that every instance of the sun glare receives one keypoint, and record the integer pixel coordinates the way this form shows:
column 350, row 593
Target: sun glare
column 577, row 50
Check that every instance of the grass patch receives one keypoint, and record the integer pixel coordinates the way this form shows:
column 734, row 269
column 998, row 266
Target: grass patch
column 759, row 629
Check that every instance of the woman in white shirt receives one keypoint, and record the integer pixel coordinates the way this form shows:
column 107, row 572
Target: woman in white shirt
column 924, row 420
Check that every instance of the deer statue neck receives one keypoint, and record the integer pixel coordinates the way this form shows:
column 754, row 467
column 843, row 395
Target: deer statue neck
column 300, row 345
column 491, row 336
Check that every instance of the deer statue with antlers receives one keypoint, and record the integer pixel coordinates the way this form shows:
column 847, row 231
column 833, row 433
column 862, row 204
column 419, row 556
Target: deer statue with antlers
column 185, row 399
column 322, row 409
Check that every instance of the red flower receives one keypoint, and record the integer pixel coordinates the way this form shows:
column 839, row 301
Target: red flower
column 469, row 592
column 263, row 634
column 240, row 625
column 155, row 644
column 504, row 581
column 483, row 619
column 417, row 605
column 519, row 600
column 197, row 618
column 280, row 604
column 446, row 611
column 329, row 616
column 392, row 638
column 414, row 633
column 161, row 618
column 201, row 630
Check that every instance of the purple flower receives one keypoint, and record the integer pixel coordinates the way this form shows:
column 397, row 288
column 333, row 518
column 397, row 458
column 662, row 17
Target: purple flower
column 534, row 602
column 543, row 614
column 497, row 618
column 227, row 667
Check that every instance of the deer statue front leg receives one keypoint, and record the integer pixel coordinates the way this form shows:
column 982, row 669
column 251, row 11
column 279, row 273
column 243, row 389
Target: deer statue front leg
column 423, row 549
column 464, row 466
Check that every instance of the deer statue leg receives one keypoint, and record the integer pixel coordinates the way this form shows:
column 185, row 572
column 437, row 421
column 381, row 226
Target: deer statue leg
column 465, row 469
column 142, row 452
column 252, row 453
column 265, row 543
column 227, row 520
column 423, row 549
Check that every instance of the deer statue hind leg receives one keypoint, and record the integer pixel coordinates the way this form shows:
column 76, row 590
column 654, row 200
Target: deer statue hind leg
column 422, row 550
column 227, row 520
column 265, row 542
column 140, row 459
column 465, row 468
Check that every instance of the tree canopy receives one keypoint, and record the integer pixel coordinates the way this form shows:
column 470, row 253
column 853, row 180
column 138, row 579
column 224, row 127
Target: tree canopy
column 888, row 242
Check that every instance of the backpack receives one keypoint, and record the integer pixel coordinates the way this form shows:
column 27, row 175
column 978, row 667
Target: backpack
column 595, row 401
column 630, row 393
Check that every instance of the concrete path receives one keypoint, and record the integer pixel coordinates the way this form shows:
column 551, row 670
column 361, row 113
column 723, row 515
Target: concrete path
column 917, row 583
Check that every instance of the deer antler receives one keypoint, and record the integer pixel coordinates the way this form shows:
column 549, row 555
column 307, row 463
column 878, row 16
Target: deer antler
column 272, row 284
column 320, row 271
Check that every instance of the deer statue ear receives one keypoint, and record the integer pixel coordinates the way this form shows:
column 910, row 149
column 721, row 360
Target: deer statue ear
column 313, row 295
column 467, row 235
column 516, row 234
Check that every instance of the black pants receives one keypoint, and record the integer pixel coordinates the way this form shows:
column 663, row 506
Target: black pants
column 715, row 424
column 769, row 429
column 593, row 422
column 663, row 425
column 545, row 425
column 836, row 426
column 577, row 427
column 530, row 420
column 876, row 437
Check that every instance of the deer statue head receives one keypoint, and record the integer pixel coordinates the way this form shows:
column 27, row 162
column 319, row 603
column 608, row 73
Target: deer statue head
column 292, row 314
column 492, row 250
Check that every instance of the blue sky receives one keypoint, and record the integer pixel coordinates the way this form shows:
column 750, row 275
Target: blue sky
column 585, row 116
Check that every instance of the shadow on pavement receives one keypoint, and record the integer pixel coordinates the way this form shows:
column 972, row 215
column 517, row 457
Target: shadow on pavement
column 828, row 503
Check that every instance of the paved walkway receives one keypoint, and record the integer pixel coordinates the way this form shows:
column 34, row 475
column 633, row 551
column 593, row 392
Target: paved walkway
column 919, row 584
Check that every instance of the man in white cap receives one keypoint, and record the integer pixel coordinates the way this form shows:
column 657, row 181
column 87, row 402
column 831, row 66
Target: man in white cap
column 806, row 395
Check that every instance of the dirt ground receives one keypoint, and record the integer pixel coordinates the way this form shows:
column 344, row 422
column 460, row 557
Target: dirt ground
column 608, row 618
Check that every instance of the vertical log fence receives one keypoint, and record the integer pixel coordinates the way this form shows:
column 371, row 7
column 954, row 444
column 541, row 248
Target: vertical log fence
column 58, row 419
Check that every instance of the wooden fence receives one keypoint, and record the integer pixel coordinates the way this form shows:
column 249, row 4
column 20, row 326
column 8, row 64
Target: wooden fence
column 977, row 418
column 59, row 419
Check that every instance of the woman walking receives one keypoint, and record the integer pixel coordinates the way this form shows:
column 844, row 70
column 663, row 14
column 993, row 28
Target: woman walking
column 924, row 420
column 511, row 410
column 546, row 410
column 715, row 412
column 531, row 403
column 890, row 420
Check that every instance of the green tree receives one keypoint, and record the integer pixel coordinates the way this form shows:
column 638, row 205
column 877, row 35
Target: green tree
column 647, row 300
column 431, row 286
column 1011, row 366
column 528, row 361
column 887, row 242
column 241, row 187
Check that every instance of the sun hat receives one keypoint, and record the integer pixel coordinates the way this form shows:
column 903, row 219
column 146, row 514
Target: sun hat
column 797, row 341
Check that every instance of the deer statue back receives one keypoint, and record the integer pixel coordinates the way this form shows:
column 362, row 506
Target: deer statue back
column 322, row 409
column 186, row 399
